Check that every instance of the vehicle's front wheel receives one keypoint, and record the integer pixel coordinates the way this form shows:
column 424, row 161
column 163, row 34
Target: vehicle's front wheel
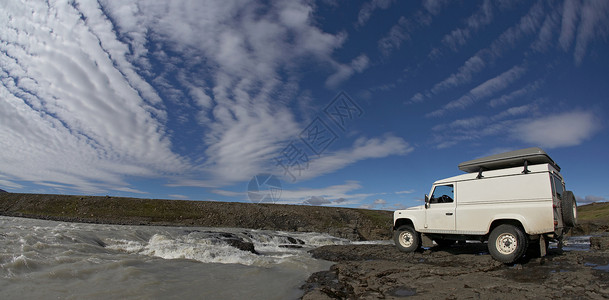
column 407, row 239
column 507, row 243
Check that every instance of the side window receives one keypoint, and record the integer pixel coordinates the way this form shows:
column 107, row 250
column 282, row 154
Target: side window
column 443, row 194
column 558, row 188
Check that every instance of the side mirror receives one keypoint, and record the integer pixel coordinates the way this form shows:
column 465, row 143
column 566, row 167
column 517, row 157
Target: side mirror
column 426, row 201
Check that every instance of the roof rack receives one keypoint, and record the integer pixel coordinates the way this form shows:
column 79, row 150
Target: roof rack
column 518, row 158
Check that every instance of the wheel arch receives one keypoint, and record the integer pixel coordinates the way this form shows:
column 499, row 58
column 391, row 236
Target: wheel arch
column 508, row 221
column 402, row 221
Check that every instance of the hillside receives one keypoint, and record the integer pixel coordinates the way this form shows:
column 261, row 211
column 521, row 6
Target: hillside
column 355, row 224
column 593, row 217
column 595, row 212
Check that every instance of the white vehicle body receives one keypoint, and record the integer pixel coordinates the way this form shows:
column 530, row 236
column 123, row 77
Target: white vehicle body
column 472, row 205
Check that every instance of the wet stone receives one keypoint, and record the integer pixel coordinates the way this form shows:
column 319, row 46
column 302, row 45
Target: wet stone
column 403, row 291
column 599, row 243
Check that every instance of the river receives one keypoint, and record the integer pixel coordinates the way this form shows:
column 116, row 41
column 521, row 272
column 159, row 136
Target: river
column 46, row 259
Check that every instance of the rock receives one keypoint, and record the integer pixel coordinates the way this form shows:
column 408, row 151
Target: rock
column 295, row 240
column 599, row 243
column 326, row 283
column 290, row 246
column 459, row 272
column 241, row 245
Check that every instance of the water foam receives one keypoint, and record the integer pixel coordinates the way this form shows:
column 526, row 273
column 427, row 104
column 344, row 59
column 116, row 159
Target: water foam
column 211, row 247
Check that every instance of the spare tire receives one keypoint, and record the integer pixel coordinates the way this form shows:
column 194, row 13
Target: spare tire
column 569, row 209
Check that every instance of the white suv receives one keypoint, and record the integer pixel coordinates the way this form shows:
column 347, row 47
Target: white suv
column 514, row 200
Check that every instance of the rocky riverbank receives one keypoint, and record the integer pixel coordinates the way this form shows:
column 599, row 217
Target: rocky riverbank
column 457, row 272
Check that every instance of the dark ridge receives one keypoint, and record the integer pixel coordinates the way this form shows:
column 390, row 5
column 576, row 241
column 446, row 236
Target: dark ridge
column 350, row 223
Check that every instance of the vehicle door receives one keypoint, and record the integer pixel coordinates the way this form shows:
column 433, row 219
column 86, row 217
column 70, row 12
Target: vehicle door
column 440, row 212
column 558, row 187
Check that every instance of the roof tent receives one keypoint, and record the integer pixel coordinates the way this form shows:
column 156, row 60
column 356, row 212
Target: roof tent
column 522, row 157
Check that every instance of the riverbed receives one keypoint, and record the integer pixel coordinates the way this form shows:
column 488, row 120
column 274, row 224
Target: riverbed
column 46, row 259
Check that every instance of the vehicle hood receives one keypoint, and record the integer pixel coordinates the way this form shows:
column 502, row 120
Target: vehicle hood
column 419, row 207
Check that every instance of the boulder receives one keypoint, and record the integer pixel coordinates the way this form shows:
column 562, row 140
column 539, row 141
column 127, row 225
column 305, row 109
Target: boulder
column 241, row 245
column 599, row 243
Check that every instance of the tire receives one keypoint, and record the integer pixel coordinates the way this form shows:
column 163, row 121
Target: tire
column 407, row 239
column 569, row 209
column 507, row 243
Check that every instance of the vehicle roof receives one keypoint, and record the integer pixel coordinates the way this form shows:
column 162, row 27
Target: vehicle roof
column 501, row 172
column 530, row 156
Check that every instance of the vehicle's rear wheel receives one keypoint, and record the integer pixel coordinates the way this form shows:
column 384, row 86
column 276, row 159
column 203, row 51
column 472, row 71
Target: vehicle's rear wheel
column 407, row 239
column 569, row 209
column 507, row 243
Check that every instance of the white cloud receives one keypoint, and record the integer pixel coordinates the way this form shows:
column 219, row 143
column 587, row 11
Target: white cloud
column 468, row 123
column 418, row 97
column 342, row 194
column 492, row 85
column 582, row 23
column 369, row 7
column 242, row 59
column 405, row 192
column 129, row 190
column 483, row 90
column 590, row 199
column 397, row 34
column 458, row 37
column 514, row 95
column 561, row 130
column 85, row 116
column 464, row 75
column 10, row 184
column 362, row 149
column 545, row 37
column 340, row 200
column 380, row 202
column 435, row 6
column 401, row 31
column 594, row 24
column 77, row 78
column 479, row 127
column 344, row 72
column 528, row 24
column 570, row 15
column 376, row 203
column 229, row 193
column 316, row 200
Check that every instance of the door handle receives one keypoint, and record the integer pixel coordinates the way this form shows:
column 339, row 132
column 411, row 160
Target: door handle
column 449, row 214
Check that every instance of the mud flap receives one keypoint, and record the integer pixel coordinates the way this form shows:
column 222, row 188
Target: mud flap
column 543, row 249
column 426, row 242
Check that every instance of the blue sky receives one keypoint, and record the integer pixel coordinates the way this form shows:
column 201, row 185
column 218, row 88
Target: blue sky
column 355, row 104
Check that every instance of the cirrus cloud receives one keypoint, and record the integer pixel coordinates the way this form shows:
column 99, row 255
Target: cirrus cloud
column 97, row 88
column 561, row 130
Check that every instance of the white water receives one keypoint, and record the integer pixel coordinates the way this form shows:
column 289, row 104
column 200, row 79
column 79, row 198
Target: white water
column 45, row 259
